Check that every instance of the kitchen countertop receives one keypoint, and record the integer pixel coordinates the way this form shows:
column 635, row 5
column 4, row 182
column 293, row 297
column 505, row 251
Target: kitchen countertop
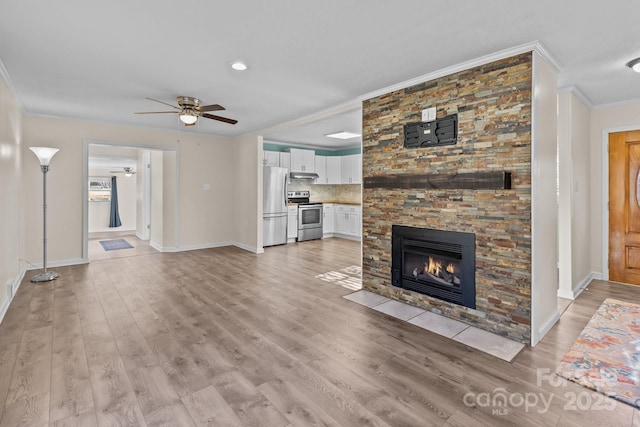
column 342, row 203
column 330, row 202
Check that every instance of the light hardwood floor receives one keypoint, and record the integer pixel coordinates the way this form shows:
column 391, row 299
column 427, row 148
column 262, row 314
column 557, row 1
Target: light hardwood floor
column 224, row 337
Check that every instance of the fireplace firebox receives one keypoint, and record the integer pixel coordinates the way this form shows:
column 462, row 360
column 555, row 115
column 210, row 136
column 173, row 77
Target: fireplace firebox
column 438, row 263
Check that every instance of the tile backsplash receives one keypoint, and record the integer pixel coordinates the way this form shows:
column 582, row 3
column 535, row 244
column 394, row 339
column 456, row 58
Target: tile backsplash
column 338, row 193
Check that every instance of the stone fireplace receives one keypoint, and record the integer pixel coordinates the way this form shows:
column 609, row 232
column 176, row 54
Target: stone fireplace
column 494, row 107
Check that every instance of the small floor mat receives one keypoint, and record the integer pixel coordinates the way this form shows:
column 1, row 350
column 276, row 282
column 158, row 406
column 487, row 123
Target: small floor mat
column 115, row 244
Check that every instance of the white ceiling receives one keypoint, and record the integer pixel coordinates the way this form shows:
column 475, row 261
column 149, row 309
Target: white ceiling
column 99, row 60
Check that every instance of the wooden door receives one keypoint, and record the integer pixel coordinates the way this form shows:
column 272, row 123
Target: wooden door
column 624, row 207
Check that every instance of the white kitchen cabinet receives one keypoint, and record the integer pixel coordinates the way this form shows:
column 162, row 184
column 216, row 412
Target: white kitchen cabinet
column 292, row 223
column 271, row 158
column 351, row 169
column 285, row 160
column 333, row 169
column 328, row 219
column 321, row 170
column 302, row 160
column 348, row 220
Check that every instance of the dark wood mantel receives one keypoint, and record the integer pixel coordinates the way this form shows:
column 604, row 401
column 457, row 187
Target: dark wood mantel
column 500, row 180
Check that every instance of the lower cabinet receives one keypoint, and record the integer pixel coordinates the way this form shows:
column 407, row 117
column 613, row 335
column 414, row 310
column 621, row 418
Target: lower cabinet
column 328, row 219
column 292, row 223
column 348, row 221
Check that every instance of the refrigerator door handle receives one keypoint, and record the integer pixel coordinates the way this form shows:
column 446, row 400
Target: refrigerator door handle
column 286, row 184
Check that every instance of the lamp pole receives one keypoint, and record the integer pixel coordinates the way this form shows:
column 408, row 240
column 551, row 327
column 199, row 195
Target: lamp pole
column 44, row 155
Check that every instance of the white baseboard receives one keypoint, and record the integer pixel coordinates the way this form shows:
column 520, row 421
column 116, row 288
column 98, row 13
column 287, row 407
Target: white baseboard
column 13, row 286
column 141, row 236
column 577, row 290
column 59, row 263
column 248, row 248
column 111, row 230
column 535, row 339
column 583, row 284
column 170, row 249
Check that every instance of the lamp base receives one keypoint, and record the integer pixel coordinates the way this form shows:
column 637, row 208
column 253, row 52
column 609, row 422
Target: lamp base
column 45, row 277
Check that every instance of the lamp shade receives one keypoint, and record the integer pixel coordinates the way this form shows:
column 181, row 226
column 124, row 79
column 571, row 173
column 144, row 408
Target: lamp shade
column 44, row 154
column 188, row 118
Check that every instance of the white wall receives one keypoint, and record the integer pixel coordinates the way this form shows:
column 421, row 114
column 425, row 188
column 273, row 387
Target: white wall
column 11, row 196
column 170, row 201
column 143, row 194
column 247, row 180
column 157, row 200
column 202, row 217
column 575, row 195
column 544, row 215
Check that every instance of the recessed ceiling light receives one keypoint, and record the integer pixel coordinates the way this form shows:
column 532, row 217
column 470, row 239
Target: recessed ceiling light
column 634, row 65
column 343, row 135
column 238, row 66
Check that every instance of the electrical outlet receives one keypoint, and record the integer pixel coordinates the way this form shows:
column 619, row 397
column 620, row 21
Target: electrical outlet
column 429, row 114
column 207, row 187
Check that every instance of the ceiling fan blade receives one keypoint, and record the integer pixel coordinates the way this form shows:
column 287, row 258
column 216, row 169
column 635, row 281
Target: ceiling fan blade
column 157, row 112
column 222, row 119
column 212, row 107
column 162, row 102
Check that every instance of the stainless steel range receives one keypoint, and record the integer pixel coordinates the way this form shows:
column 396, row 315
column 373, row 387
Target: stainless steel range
column 309, row 215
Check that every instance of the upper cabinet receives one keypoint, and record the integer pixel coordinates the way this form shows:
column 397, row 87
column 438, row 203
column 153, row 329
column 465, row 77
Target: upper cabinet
column 351, row 169
column 271, row 158
column 321, row 170
column 334, row 166
column 302, row 160
column 285, row 160
column 276, row 158
column 330, row 169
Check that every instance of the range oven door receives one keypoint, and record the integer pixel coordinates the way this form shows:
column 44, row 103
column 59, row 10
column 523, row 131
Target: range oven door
column 309, row 222
column 309, row 216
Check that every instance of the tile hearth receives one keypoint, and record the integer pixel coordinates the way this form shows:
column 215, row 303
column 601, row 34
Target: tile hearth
column 479, row 339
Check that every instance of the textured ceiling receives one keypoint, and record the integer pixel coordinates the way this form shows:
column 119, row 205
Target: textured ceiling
column 99, row 60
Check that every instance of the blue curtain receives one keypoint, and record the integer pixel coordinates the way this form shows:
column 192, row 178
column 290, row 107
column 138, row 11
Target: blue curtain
column 114, row 219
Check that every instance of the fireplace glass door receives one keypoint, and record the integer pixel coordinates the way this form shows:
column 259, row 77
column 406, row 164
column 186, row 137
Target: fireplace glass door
column 437, row 263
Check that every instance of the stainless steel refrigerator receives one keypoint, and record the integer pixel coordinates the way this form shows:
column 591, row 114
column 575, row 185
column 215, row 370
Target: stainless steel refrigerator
column 274, row 211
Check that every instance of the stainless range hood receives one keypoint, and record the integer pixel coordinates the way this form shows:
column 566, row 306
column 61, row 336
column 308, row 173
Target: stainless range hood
column 303, row 175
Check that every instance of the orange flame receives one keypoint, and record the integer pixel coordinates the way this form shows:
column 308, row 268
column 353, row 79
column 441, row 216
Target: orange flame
column 435, row 267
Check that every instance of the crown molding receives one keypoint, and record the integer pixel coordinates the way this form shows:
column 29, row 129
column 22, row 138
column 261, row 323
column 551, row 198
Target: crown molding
column 618, row 104
column 535, row 46
column 575, row 90
column 12, row 89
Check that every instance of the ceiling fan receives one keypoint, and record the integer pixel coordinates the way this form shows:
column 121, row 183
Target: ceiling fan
column 190, row 109
column 127, row 171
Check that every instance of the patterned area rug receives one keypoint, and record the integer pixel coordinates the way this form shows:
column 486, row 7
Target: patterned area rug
column 606, row 355
column 114, row 245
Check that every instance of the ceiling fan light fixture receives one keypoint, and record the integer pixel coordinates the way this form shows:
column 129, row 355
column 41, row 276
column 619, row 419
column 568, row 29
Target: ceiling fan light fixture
column 239, row 66
column 634, row 65
column 188, row 117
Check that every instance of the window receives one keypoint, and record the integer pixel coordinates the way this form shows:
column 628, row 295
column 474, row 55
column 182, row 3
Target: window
column 100, row 189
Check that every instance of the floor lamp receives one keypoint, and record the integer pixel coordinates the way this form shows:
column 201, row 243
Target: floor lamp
column 44, row 155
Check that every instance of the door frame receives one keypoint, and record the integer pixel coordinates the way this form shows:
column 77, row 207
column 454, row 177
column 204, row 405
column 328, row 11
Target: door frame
column 85, row 186
column 604, row 147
